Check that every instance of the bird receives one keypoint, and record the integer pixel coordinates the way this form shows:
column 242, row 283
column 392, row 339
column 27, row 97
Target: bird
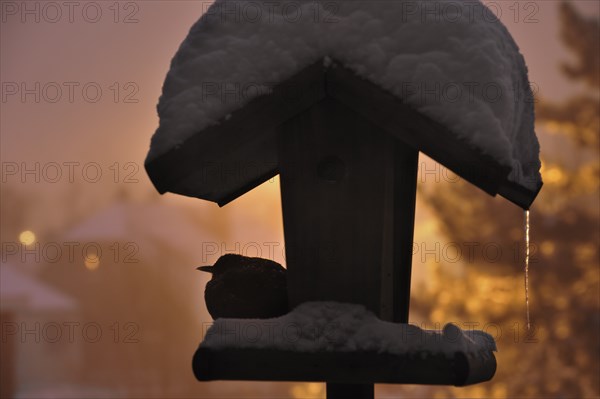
column 246, row 288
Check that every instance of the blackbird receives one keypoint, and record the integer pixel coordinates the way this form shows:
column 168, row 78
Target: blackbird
column 247, row 288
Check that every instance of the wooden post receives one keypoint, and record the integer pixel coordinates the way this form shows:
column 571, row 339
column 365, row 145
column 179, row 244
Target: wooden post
column 348, row 197
column 406, row 164
column 350, row 391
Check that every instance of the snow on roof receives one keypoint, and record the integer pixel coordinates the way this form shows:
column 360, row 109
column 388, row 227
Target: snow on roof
column 333, row 326
column 452, row 61
column 19, row 288
column 144, row 224
column 67, row 391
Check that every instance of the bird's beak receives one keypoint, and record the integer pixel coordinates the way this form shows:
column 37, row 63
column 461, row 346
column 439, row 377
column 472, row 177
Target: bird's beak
column 208, row 269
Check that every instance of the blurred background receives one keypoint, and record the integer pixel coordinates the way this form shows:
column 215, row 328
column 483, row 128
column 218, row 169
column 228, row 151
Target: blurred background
column 99, row 296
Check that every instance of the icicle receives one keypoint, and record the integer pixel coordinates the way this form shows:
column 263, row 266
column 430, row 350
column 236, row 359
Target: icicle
column 527, row 266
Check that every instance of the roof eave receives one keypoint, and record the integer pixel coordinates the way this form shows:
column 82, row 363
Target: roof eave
column 210, row 164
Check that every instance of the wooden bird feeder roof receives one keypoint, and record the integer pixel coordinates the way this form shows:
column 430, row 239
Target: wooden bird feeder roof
column 226, row 160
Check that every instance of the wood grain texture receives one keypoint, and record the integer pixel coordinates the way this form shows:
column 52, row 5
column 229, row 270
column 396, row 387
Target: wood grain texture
column 350, row 239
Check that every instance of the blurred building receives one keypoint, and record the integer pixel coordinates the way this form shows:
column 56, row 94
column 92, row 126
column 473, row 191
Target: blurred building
column 137, row 286
column 36, row 319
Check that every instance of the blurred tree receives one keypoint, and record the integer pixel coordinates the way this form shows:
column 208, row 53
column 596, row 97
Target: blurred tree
column 560, row 356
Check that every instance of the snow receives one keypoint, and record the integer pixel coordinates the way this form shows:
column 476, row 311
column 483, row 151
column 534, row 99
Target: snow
column 145, row 225
column 18, row 288
column 64, row 391
column 453, row 61
column 343, row 327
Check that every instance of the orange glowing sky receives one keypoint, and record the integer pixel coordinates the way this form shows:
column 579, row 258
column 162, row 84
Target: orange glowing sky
column 107, row 52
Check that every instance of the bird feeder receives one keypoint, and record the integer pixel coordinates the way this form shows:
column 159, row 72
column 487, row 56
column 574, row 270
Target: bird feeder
column 346, row 151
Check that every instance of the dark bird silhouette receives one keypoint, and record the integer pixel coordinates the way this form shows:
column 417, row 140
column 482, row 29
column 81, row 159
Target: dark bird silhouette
column 243, row 287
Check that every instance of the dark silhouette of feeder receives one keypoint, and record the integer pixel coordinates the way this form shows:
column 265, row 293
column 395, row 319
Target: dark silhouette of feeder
column 347, row 155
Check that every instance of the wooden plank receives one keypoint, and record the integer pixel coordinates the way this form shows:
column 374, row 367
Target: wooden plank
column 342, row 367
column 335, row 227
column 349, row 240
column 348, row 190
column 406, row 164
column 413, row 128
column 348, row 197
column 226, row 160
column 426, row 135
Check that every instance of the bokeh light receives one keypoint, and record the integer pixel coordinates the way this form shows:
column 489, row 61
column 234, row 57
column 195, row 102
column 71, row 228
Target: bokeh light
column 92, row 262
column 27, row 237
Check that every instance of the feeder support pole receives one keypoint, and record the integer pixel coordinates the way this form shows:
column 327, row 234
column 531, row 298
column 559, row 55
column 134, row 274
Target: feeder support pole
column 404, row 174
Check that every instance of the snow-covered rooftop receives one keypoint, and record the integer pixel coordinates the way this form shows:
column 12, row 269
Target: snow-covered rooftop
column 452, row 61
column 146, row 225
column 343, row 327
column 18, row 288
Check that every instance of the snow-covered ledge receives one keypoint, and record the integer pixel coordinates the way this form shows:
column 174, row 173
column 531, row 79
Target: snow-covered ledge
column 331, row 341
column 343, row 327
